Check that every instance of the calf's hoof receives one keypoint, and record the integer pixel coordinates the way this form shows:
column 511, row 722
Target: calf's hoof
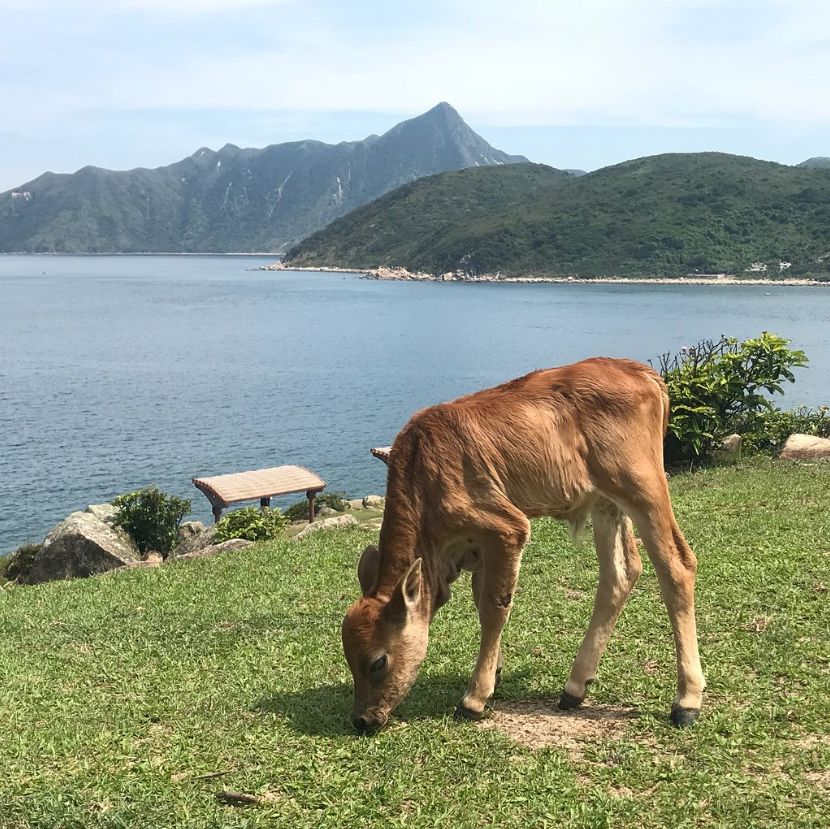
column 684, row 717
column 462, row 712
column 568, row 701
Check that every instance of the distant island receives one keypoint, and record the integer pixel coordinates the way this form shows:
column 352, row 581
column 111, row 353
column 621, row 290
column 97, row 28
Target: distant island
column 690, row 215
column 234, row 199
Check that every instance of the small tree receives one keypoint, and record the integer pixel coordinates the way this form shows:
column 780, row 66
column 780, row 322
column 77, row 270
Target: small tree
column 151, row 517
column 251, row 523
column 716, row 388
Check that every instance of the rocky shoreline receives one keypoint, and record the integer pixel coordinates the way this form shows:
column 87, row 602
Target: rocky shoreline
column 403, row 275
column 90, row 542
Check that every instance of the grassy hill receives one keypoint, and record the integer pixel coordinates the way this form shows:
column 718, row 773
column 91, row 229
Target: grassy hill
column 661, row 215
column 132, row 698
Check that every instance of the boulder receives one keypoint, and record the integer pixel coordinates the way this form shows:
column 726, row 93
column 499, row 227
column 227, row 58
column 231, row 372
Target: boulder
column 83, row 544
column 188, row 530
column 151, row 560
column 730, row 449
column 338, row 522
column 374, row 502
column 805, row 448
column 193, row 536
column 103, row 512
column 355, row 503
column 214, row 549
column 326, row 511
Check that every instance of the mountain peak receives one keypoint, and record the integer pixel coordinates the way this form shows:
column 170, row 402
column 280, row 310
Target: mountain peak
column 209, row 202
column 444, row 109
column 818, row 162
column 460, row 145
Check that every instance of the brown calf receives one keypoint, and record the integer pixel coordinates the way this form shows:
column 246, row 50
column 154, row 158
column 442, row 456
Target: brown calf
column 584, row 439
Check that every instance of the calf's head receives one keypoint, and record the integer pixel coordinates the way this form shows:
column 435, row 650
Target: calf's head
column 385, row 641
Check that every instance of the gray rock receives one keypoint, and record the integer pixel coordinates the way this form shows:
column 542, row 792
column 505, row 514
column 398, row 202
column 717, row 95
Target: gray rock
column 338, row 522
column 193, row 536
column 190, row 529
column 151, row 560
column 374, row 502
column 729, row 450
column 805, row 448
column 103, row 512
column 214, row 549
column 326, row 511
column 82, row 545
column 355, row 503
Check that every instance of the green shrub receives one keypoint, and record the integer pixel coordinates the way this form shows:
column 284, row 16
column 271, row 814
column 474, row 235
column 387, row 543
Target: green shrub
column 716, row 388
column 16, row 565
column 251, row 523
column 151, row 517
column 773, row 427
column 299, row 511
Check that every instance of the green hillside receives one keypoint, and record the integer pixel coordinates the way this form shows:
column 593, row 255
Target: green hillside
column 665, row 215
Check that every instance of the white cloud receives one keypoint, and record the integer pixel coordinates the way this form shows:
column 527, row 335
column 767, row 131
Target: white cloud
column 184, row 7
column 544, row 64
column 529, row 62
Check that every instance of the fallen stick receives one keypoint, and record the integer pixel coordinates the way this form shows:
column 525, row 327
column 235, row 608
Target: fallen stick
column 238, row 798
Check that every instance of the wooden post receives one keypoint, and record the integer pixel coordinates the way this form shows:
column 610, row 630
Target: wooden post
column 311, row 495
column 217, row 513
column 264, row 503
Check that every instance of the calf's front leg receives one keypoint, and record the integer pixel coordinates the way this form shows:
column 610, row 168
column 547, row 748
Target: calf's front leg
column 477, row 586
column 494, row 589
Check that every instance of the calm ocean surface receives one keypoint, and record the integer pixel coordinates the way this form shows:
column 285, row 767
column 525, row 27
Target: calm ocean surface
column 117, row 372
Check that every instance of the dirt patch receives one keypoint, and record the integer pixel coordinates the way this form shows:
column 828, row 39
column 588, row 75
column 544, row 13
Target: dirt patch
column 819, row 778
column 540, row 724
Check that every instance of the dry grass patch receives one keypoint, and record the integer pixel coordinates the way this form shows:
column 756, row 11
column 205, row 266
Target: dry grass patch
column 819, row 778
column 539, row 724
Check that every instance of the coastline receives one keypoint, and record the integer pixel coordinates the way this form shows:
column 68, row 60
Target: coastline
column 403, row 275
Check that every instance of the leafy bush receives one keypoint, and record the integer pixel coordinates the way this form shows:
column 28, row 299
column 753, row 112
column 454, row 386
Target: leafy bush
column 716, row 388
column 335, row 500
column 251, row 523
column 773, row 427
column 151, row 517
column 16, row 565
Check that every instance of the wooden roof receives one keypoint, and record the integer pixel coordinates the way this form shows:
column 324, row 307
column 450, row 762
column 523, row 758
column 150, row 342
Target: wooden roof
column 382, row 452
column 260, row 483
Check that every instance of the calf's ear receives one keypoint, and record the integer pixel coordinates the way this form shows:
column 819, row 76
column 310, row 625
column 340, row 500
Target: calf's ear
column 367, row 569
column 407, row 593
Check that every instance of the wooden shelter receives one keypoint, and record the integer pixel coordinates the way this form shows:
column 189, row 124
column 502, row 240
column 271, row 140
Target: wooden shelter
column 382, row 453
column 265, row 484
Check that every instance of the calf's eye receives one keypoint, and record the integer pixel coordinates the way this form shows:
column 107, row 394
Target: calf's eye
column 378, row 665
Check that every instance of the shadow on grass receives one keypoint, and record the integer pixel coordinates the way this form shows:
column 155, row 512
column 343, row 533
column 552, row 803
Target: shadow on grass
column 326, row 709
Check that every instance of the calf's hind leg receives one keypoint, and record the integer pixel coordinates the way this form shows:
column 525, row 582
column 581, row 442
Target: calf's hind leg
column 619, row 569
column 676, row 568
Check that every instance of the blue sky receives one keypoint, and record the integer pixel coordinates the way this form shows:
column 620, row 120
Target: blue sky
column 127, row 83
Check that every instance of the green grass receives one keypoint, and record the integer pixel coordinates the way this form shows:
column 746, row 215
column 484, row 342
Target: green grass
column 117, row 693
